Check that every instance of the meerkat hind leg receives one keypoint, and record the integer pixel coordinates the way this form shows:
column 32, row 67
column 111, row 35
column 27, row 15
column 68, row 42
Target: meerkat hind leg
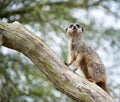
column 90, row 74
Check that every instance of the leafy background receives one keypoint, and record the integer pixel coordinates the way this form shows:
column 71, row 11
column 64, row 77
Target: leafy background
column 21, row 80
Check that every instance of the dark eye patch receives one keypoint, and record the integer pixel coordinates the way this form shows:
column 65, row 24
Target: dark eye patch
column 78, row 25
column 70, row 26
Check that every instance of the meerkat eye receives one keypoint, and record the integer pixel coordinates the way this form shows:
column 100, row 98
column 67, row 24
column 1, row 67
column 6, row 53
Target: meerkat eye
column 78, row 25
column 71, row 26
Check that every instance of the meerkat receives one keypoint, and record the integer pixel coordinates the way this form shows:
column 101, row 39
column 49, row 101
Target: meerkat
column 85, row 57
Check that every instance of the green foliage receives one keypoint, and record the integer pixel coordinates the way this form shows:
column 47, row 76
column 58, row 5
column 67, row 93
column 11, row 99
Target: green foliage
column 48, row 19
column 20, row 80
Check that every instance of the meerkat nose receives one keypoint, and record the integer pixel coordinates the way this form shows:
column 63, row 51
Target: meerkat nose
column 74, row 27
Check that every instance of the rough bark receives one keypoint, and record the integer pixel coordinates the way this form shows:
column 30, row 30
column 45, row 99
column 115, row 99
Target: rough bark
column 17, row 37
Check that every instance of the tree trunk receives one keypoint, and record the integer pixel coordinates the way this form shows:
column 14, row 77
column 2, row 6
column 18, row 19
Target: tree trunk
column 17, row 37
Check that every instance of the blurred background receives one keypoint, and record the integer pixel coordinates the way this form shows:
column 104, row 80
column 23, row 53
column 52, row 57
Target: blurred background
column 21, row 80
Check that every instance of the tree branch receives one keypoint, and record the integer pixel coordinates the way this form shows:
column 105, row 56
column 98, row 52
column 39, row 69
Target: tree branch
column 17, row 37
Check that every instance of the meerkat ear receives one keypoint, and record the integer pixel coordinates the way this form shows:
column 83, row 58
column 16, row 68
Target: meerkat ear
column 66, row 29
column 82, row 29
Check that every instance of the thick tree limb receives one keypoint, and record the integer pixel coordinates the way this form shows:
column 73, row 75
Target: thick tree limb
column 17, row 37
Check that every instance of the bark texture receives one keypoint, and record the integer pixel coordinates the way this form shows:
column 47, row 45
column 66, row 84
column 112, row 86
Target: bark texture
column 17, row 37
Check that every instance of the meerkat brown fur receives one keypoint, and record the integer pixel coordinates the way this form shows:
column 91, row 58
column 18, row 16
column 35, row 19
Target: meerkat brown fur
column 85, row 57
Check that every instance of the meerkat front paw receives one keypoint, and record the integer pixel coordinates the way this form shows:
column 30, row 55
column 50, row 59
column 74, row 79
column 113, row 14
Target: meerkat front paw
column 65, row 63
column 74, row 70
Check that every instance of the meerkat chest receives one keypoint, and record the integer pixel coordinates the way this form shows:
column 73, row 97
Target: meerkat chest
column 78, row 47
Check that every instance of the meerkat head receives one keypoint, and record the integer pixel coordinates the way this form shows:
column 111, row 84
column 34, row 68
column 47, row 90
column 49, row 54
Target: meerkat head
column 74, row 29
